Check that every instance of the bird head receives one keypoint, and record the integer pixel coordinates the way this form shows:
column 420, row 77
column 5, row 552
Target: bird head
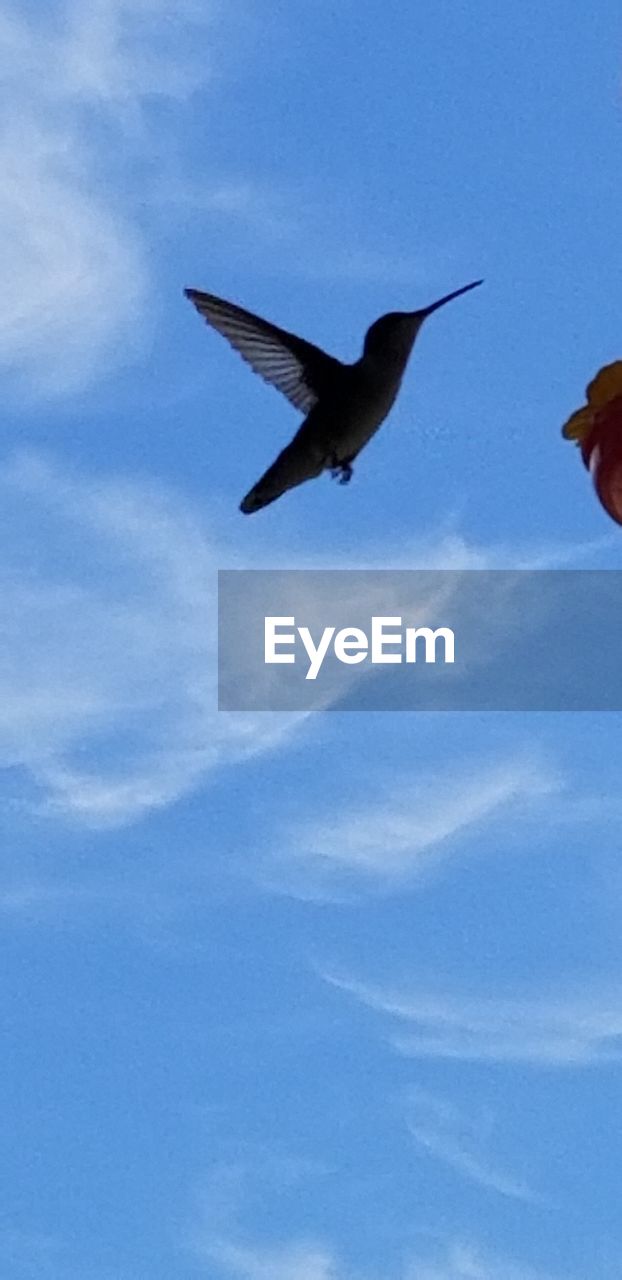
column 392, row 336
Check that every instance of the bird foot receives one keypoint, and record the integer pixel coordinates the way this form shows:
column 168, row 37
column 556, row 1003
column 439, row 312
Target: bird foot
column 342, row 472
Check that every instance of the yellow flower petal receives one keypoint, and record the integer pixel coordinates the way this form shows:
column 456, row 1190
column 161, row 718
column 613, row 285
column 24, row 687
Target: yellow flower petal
column 606, row 385
column 578, row 425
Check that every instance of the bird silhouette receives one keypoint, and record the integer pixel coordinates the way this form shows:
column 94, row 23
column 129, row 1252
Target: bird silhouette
column 344, row 404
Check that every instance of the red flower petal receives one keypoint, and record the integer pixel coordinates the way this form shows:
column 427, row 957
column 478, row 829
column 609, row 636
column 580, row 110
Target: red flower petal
column 602, row 452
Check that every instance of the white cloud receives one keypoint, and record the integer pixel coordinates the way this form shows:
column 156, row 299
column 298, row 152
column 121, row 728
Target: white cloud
column 409, row 828
column 119, row 52
column 73, row 277
column 567, row 1031
column 73, row 272
column 462, row 1261
column 219, row 1241
column 307, row 1261
column 108, row 674
column 299, row 1260
column 459, row 1140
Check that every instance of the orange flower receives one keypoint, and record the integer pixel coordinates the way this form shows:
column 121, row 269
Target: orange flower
column 597, row 429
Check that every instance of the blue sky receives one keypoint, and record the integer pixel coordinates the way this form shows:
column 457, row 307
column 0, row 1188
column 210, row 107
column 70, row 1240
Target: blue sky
column 335, row 997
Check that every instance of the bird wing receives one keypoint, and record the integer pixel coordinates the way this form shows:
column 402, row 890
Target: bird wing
column 300, row 370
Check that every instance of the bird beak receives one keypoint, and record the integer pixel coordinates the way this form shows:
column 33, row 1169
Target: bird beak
column 427, row 311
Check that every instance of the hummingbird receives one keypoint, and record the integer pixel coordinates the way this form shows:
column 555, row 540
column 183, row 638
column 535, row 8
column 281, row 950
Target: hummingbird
column 343, row 404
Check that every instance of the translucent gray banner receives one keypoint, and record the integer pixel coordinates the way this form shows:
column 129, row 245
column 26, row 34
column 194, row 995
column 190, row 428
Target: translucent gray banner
column 420, row 640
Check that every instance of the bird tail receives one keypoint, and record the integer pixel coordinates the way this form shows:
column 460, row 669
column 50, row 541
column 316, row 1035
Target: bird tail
column 295, row 464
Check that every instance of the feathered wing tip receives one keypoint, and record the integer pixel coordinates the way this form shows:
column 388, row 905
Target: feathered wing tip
column 297, row 368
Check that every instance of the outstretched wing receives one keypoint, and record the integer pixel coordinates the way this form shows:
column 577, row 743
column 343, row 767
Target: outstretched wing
column 300, row 370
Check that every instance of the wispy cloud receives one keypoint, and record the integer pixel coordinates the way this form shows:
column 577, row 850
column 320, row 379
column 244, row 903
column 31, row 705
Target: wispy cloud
column 408, row 829
column 459, row 1140
column 299, row 1260
column 308, row 1261
column 568, row 1031
column 464, row 1261
column 219, row 1241
column 446, row 547
column 226, row 1250
column 74, row 272
column 108, row 681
